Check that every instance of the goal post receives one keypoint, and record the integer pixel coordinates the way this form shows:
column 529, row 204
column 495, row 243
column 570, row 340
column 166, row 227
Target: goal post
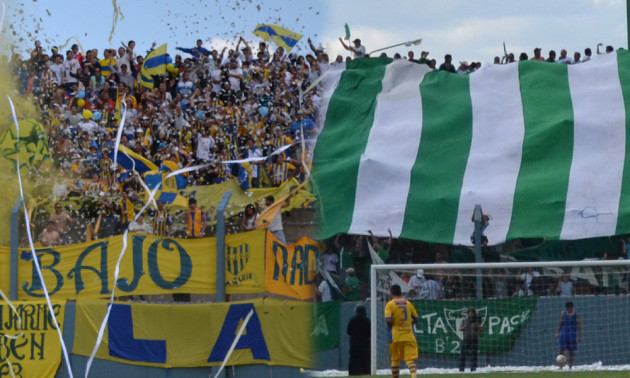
column 519, row 308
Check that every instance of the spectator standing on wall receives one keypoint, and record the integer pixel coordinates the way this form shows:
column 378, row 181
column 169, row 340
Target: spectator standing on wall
column 448, row 64
column 537, row 55
column 254, row 152
column 125, row 208
column 563, row 58
column 358, row 50
column 281, row 170
column 61, row 219
column 197, row 52
column 195, row 220
column 588, row 53
column 162, row 223
column 249, row 218
column 140, row 226
column 50, row 237
column 275, row 227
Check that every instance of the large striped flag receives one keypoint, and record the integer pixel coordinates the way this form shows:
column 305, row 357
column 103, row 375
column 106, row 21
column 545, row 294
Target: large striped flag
column 169, row 187
column 154, row 64
column 543, row 148
column 132, row 161
column 280, row 36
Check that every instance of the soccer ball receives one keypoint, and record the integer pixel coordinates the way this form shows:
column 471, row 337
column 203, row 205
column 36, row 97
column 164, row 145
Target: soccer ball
column 561, row 359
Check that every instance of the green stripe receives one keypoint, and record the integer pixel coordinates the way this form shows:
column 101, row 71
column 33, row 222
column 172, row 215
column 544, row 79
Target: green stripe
column 543, row 180
column 623, row 222
column 437, row 176
column 342, row 142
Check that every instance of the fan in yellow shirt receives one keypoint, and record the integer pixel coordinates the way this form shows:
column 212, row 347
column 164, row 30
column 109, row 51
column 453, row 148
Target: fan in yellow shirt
column 401, row 316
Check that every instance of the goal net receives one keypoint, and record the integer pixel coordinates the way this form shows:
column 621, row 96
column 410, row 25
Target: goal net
column 519, row 306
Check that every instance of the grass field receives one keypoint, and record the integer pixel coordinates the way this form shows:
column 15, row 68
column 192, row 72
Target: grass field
column 497, row 374
column 544, row 374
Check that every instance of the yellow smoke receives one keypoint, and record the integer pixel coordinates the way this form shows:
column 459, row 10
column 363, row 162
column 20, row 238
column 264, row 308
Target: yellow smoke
column 30, row 148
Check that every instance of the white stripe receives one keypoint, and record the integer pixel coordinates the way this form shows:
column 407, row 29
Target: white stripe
column 385, row 169
column 598, row 149
column 329, row 81
column 29, row 232
column 495, row 152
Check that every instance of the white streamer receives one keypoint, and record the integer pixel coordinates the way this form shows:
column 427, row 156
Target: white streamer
column 101, row 332
column 277, row 151
column 4, row 9
column 308, row 171
column 238, row 336
column 240, row 161
column 124, row 148
column 120, row 128
column 133, row 168
column 30, row 242
column 329, row 279
column 187, row 169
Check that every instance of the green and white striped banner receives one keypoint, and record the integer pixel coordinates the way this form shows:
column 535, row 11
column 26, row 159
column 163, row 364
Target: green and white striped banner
column 542, row 147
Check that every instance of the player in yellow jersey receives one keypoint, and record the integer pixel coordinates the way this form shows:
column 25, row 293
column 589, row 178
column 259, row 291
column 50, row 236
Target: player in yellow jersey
column 401, row 316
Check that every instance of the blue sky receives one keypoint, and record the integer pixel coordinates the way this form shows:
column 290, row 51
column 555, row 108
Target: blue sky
column 178, row 23
column 468, row 29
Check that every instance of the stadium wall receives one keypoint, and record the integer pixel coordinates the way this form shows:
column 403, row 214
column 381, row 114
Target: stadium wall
column 605, row 336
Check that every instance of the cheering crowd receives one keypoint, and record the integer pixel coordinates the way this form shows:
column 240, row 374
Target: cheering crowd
column 208, row 107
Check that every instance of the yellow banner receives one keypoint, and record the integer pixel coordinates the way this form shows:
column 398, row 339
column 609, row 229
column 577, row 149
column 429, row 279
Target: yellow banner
column 278, row 333
column 291, row 269
column 36, row 352
column 150, row 265
column 244, row 263
column 209, row 197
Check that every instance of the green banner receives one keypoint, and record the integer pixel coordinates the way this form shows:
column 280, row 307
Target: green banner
column 549, row 250
column 558, row 250
column 437, row 330
column 325, row 333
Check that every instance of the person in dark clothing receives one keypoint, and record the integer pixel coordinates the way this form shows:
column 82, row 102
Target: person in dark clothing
column 359, row 332
column 471, row 327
